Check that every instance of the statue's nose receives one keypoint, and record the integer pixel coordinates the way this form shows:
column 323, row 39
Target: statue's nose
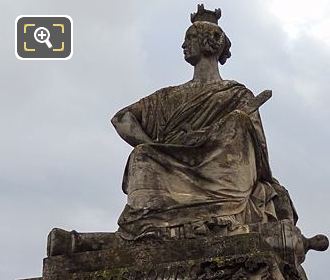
column 184, row 45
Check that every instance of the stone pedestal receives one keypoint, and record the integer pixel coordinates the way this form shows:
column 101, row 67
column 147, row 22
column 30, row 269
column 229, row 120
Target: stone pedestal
column 245, row 256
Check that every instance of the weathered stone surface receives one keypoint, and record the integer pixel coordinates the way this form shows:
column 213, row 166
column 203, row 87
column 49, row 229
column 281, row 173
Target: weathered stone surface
column 182, row 259
column 200, row 156
column 274, row 249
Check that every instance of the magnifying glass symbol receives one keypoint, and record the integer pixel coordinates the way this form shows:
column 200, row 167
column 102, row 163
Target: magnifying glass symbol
column 41, row 35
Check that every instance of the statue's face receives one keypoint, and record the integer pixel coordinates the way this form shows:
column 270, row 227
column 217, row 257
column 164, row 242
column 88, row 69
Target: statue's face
column 191, row 46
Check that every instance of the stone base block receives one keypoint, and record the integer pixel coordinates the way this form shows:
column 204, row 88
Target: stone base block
column 244, row 256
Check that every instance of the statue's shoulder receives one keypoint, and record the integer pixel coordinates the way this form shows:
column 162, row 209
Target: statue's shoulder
column 162, row 92
column 232, row 84
column 168, row 92
column 192, row 86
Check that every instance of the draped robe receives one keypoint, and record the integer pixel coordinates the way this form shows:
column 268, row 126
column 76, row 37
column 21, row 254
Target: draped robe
column 208, row 162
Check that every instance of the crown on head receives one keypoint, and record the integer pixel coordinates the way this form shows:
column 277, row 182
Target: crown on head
column 205, row 15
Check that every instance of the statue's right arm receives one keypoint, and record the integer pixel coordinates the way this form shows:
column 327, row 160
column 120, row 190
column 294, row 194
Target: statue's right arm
column 127, row 123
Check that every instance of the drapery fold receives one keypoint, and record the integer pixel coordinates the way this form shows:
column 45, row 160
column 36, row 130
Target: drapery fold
column 208, row 161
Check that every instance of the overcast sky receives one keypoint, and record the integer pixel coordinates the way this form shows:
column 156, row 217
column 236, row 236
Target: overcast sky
column 61, row 162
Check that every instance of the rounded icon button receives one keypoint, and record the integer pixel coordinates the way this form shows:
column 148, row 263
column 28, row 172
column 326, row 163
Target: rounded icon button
column 42, row 35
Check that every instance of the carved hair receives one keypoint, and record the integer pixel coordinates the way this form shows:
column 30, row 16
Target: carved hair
column 213, row 40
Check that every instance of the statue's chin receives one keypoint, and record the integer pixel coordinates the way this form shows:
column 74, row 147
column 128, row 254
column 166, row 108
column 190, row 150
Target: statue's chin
column 193, row 60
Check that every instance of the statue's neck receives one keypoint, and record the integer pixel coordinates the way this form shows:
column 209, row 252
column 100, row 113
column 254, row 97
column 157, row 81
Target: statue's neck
column 207, row 69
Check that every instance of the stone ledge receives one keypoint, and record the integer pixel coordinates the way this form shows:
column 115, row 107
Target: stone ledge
column 202, row 258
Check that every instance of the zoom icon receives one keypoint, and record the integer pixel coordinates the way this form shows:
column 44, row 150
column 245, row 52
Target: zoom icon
column 44, row 37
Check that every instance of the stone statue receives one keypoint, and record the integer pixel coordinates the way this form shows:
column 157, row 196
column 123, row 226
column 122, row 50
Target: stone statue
column 200, row 161
column 200, row 156
column 202, row 201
